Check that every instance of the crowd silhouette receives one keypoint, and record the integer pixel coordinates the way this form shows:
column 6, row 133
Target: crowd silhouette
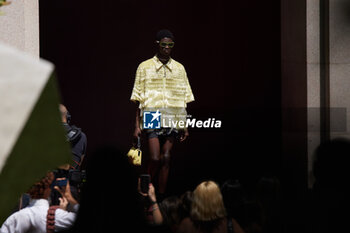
column 111, row 200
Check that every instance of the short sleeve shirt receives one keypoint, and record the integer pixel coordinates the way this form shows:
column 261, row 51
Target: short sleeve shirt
column 159, row 85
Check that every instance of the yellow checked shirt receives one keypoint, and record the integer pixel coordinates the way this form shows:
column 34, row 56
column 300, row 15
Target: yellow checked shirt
column 162, row 86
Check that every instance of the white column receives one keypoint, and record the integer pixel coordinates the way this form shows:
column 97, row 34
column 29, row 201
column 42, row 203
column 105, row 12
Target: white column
column 19, row 25
column 339, row 52
column 313, row 80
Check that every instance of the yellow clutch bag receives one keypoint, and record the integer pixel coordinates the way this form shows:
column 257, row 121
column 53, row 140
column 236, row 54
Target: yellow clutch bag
column 135, row 154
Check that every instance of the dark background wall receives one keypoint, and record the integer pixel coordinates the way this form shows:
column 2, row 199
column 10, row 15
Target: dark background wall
column 230, row 49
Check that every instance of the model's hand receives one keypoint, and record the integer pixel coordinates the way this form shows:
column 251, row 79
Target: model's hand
column 137, row 132
column 184, row 135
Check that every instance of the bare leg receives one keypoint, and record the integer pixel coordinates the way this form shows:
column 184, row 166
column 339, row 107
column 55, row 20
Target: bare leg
column 165, row 162
column 154, row 160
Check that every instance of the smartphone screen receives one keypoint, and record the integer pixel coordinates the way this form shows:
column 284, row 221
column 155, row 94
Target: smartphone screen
column 61, row 182
column 144, row 183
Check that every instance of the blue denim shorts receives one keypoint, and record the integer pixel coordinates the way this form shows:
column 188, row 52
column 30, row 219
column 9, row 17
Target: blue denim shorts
column 162, row 132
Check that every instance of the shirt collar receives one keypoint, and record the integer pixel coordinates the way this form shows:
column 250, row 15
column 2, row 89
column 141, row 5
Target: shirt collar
column 159, row 64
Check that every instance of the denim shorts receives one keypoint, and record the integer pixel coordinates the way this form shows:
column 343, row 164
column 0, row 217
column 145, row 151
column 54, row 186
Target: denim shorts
column 163, row 132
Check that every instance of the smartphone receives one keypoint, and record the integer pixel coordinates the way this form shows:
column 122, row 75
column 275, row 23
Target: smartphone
column 144, row 183
column 61, row 183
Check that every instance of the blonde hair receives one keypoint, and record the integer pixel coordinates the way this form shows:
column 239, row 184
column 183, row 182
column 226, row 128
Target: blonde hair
column 207, row 202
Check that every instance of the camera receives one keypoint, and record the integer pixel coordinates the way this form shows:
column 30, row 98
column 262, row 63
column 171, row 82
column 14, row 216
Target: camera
column 75, row 178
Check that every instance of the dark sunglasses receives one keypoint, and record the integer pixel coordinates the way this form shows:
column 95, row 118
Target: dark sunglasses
column 164, row 44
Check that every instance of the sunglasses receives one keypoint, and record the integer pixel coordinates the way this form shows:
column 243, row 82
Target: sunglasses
column 164, row 44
